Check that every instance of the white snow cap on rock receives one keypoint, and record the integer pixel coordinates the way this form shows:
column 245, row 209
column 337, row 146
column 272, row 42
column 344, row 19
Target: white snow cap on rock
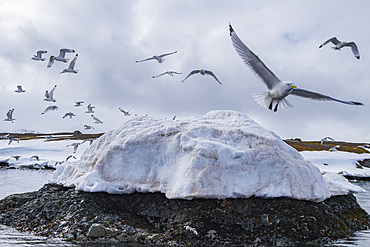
column 223, row 154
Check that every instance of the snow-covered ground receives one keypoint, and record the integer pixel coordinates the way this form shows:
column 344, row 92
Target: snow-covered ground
column 50, row 153
column 338, row 162
column 223, row 154
column 220, row 155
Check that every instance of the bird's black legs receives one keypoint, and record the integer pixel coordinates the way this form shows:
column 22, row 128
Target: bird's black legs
column 270, row 106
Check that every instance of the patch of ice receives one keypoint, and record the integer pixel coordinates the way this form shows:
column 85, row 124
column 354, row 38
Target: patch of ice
column 223, row 154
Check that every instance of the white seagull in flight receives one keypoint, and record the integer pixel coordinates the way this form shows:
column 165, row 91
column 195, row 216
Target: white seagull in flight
column 78, row 103
column 49, row 96
column 125, row 113
column 90, row 108
column 19, row 89
column 9, row 116
column 38, row 56
column 50, row 108
column 87, row 127
column 277, row 89
column 69, row 114
column 202, row 72
column 60, row 57
column 170, row 73
column 96, row 120
column 340, row 44
column 159, row 58
column 71, row 68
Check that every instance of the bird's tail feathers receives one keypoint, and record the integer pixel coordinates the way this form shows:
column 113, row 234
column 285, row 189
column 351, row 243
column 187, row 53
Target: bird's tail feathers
column 265, row 100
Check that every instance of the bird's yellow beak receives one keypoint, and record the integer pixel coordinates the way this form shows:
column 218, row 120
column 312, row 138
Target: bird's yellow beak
column 294, row 86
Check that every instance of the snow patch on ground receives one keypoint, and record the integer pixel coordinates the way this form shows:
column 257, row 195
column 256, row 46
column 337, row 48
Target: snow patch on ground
column 223, row 154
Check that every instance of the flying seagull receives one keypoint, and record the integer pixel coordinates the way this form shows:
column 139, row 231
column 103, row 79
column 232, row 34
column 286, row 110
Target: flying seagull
column 88, row 140
column 71, row 156
column 50, row 108
column 326, row 139
column 159, row 58
column 16, row 157
column 60, row 57
column 78, row 103
column 170, row 73
column 334, row 149
column 340, row 44
column 9, row 116
column 13, row 140
column 69, row 114
column 35, row 157
column 87, row 127
column 19, row 89
column 49, row 96
column 202, row 72
column 71, row 68
column 277, row 89
column 38, row 56
column 74, row 145
column 125, row 113
column 90, row 108
column 96, row 120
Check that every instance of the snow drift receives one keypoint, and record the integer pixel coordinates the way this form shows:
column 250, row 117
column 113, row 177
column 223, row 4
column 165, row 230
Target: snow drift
column 223, row 154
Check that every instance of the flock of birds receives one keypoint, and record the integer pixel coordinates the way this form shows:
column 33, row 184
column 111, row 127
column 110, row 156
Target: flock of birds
column 278, row 90
column 49, row 95
column 274, row 98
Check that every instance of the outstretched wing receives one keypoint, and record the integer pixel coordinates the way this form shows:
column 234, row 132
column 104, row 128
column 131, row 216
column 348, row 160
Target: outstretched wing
column 73, row 62
column 318, row 96
column 62, row 52
column 39, row 53
column 51, row 61
column 51, row 94
column 333, row 40
column 138, row 61
column 191, row 73
column 155, row 76
column 354, row 49
column 212, row 74
column 166, row 54
column 252, row 61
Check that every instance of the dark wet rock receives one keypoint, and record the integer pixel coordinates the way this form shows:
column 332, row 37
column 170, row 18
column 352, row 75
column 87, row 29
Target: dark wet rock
column 364, row 162
column 77, row 133
column 151, row 218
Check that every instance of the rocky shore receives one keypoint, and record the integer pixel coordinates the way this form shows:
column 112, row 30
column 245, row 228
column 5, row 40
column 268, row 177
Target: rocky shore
column 152, row 219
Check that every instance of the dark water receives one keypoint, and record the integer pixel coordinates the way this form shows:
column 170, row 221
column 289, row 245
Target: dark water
column 20, row 181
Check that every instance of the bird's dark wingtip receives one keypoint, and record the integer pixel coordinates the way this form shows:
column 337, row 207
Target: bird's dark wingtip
column 357, row 103
column 358, row 57
column 320, row 46
column 230, row 28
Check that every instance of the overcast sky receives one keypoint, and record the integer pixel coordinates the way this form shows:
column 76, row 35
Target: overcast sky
column 110, row 35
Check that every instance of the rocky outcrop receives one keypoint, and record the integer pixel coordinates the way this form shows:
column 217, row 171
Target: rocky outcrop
column 151, row 218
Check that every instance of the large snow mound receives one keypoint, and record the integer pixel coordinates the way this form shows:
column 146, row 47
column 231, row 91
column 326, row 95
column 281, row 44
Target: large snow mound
column 223, row 154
